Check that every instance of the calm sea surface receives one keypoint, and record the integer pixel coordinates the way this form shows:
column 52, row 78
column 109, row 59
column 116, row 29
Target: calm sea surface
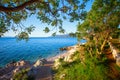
column 35, row 48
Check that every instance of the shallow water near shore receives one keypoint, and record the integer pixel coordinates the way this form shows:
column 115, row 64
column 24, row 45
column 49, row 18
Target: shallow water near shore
column 32, row 50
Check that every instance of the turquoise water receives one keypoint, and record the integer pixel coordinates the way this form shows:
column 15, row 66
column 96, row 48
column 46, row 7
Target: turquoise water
column 11, row 50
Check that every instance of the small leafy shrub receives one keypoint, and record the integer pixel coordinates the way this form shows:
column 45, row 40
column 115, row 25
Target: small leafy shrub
column 23, row 75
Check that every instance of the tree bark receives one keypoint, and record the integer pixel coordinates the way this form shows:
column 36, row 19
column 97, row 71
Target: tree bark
column 104, row 42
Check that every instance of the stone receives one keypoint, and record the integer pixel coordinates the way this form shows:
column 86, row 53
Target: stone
column 17, row 70
column 62, row 76
column 43, row 60
column 39, row 62
column 57, row 63
column 22, row 63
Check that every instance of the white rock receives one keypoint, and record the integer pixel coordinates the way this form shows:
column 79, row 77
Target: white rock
column 17, row 70
column 21, row 63
column 62, row 76
column 38, row 63
column 57, row 63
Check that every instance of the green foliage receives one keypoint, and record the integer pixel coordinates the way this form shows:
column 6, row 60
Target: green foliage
column 22, row 36
column 116, row 34
column 72, row 34
column 46, row 30
column 3, row 27
column 23, row 75
column 52, row 12
column 61, row 30
column 101, row 23
column 91, row 69
column 54, row 34
column 30, row 29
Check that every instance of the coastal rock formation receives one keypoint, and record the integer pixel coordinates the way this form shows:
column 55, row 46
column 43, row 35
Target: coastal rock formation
column 65, row 48
column 69, row 57
column 39, row 62
column 12, row 68
column 41, row 69
column 22, row 63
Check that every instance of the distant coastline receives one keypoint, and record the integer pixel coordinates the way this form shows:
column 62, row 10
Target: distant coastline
column 60, row 36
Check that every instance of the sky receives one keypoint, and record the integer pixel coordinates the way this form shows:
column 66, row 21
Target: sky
column 38, row 32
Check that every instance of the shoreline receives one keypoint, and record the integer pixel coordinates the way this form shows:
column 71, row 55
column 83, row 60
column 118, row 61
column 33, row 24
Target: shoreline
column 44, row 65
column 70, row 49
column 52, row 58
column 57, row 56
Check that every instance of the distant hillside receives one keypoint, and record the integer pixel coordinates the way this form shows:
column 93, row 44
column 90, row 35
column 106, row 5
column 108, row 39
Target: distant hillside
column 65, row 35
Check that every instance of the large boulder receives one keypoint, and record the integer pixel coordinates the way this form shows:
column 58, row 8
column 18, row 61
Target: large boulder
column 39, row 62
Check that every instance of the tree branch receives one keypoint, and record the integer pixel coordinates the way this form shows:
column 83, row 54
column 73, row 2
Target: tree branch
column 20, row 7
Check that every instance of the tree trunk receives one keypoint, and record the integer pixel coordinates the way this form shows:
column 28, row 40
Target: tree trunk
column 104, row 42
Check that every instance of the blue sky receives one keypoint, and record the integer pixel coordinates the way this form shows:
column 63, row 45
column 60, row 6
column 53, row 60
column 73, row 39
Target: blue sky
column 38, row 32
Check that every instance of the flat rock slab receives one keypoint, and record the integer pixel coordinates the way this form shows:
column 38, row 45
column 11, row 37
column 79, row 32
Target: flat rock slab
column 44, row 73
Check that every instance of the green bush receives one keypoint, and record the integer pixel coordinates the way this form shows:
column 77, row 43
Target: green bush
column 92, row 69
column 23, row 75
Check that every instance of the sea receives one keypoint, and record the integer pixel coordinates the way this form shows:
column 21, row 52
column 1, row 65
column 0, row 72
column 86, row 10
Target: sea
column 36, row 47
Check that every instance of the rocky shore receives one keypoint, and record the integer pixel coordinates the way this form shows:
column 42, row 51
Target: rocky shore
column 41, row 69
column 11, row 69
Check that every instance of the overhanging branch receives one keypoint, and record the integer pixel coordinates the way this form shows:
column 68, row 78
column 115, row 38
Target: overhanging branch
column 20, row 7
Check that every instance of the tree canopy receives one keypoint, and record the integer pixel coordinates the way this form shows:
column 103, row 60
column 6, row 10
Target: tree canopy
column 52, row 12
column 102, row 22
